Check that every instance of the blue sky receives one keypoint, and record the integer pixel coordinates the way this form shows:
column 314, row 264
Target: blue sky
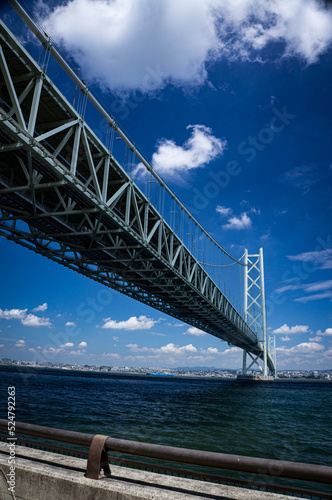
column 233, row 108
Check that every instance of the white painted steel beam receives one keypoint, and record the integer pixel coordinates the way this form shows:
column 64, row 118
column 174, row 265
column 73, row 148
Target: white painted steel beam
column 35, row 105
column 11, row 89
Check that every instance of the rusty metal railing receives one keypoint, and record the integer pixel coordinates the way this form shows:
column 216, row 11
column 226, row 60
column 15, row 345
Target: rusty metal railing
column 99, row 446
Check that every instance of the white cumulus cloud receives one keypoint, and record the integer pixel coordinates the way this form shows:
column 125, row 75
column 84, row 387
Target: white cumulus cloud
column 42, row 307
column 166, row 349
column 288, row 330
column 171, row 159
column 32, row 320
column 223, row 210
column 303, row 348
column 26, row 320
column 210, row 350
column 194, row 331
column 110, row 355
column 232, row 350
column 13, row 313
column 127, row 45
column 77, row 353
column 327, row 333
column 242, row 222
column 20, row 343
column 187, row 350
column 316, row 339
column 174, row 349
column 52, row 350
column 133, row 323
column 68, row 344
column 82, row 345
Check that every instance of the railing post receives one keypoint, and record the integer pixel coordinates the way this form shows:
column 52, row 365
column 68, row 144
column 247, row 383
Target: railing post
column 97, row 458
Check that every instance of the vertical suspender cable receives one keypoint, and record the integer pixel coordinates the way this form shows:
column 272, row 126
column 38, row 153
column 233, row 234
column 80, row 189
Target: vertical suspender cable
column 45, row 40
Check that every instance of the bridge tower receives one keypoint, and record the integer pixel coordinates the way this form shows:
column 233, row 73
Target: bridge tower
column 255, row 311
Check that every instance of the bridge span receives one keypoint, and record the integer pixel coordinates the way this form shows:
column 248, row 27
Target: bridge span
column 65, row 196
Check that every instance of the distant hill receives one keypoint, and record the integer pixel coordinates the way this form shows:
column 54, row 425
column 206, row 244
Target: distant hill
column 203, row 368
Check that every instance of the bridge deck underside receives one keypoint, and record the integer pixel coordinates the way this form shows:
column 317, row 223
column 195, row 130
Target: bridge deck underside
column 120, row 262
column 63, row 195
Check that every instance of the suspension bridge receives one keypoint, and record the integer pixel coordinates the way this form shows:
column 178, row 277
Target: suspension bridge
column 65, row 195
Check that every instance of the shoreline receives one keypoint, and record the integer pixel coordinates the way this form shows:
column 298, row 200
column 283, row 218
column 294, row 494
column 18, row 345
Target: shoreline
column 82, row 372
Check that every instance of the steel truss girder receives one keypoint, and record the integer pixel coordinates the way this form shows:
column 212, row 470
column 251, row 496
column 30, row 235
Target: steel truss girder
column 81, row 209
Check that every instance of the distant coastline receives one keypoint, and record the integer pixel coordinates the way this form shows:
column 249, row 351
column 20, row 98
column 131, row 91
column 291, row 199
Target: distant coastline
column 97, row 373
column 79, row 371
column 302, row 379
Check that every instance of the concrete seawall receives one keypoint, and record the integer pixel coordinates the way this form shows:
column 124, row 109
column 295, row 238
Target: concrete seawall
column 41, row 475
